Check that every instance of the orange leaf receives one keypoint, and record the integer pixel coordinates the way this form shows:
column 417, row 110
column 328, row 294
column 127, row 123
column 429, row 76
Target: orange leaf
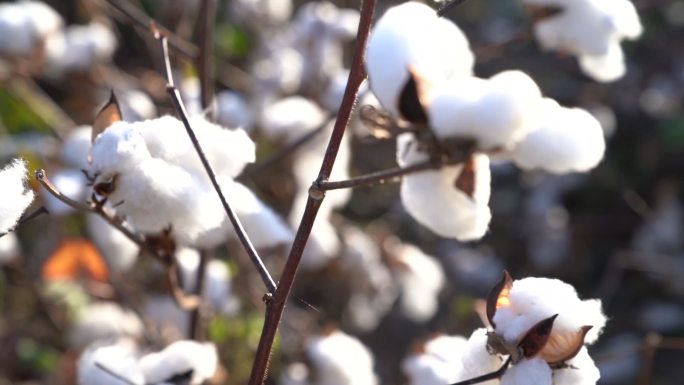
column 73, row 258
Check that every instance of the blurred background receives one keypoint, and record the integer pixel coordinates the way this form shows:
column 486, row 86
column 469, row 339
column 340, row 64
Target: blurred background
column 371, row 270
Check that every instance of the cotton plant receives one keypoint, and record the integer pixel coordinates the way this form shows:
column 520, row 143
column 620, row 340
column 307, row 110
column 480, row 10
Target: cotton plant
column 451, row 111
column 123, row 362
column 591, row 30
column 152, row 176
column 15, row 197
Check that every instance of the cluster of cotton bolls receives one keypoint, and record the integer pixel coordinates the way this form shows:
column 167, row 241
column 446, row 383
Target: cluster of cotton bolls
column 589, row 29
column 32, row 29
column 418, row 80
column 539, row 326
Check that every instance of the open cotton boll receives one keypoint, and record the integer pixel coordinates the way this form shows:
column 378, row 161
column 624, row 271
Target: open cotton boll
column 76, row 148
column 569, row 139
column 607, row 67
column 581, row 370
column 118, row 250
column 421, row 279
column 14, row 195
column 433, row 200
column 412, row 36
column 463, row 108
column 291, row 118
column 529, row 371
column 178, row 358
column 69, row 182
column 476, row 360
column 232, row 110
column 534, row 299
column 340, row 359
column 103, row 321
column 115, row 364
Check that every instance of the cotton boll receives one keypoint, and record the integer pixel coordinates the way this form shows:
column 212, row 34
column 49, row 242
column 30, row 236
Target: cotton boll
column 178, row 358
column 268, row 12
column 232, row 110
column 434, row 201
column 14, row 197
column 282, row 71
column 44, row 19
column 76, row 148
column 136, row 105
column 340, row 359
column 118, row 250
column 439, row 362
column 16, row 37
column 80, row 48
column 569, row 139
column 581, row 370
column 607, row 67
column 191, row 91
column 9, row 248
column 411, row 36
column 104, row 321
column 529, row 371
column 69, row 182
column 291, row 117
column 463, row 108
column 115, row 364
column 163, row 313
column 346, row 23
column 476, row 360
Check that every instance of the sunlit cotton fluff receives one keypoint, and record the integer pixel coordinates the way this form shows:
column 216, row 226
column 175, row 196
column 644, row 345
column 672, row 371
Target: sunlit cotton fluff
column 179, row 358
column 411, row 36
column 340, row 359
column 591, row 30
column 581, row 370
column 496, row 113
column 433, row 200
column 14, row 195
column 532, row 300
column 568, row 139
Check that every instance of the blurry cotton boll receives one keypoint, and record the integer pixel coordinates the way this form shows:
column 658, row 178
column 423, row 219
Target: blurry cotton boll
column 437, row 363
column 421, row 279
column 291, row 117
column 324, row 19
column 178, row 358
column 591, row 30
column 217, row 284
column 15, row 197
column 26, row 24
column 192, row 95
column 529, row 371
column 80, row 48
column 463, row 109
column 412, row 37
column 166, row 318
column 294, row 374
column 69, row 182
column 476, row 359
column 76, row 148
column 340, row 359
column 606, row 117
column 104, row 321
column 261, row 12
column 280, row 72
column 661, row 98
column 9, row 248
column 136, row 105
column 568, row 139
column 432, row 198
column 118, row 250
column 115, row 364
column 232, row 110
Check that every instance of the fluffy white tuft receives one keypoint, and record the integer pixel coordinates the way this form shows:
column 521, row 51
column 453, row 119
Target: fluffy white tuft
column 14, row 196
column 104, row 321
column 341, row 359
column 439, row 363
column 421, row 279
column 528, row 371
column 581, row 370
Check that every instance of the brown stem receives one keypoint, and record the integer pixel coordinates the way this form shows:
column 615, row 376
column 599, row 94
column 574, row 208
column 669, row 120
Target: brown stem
column 448, row 6
column 283, row 152
column 205, row 40
column 180, row 110
column 186, row 302
column 276, row 303
column 381, row 177
column 197, row 319
column 489, row 376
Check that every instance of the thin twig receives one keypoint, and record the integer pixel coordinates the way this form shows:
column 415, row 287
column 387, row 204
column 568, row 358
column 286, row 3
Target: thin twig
column 489, row 376
column 197, row 316
column 26, row 218
column 137, row 16
column 114, row 374
column 180, row 110
column 276, row 303
column 283, row 152
column 448, row 6
column 185, row 301
column 204, row 33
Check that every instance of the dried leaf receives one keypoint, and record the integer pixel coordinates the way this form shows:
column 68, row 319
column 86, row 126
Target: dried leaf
column 410, row 105
column 466, row 179
column 536, row 338
column 74, row 258
column 108, row 115
column 498, row 296
column 562, row 347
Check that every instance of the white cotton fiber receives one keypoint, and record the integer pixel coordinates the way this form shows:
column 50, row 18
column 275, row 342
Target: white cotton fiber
column 115, row 364
column 433, row 200
column 527, row 372
column 14, row 195
column 568, row 140
column 178, row 358
column 581, row 370
column 76, row 148
column 103, row 321
column 340, row 359
column 411, row 36
column 496, row 113
column 116, row 248
column 421, row 278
